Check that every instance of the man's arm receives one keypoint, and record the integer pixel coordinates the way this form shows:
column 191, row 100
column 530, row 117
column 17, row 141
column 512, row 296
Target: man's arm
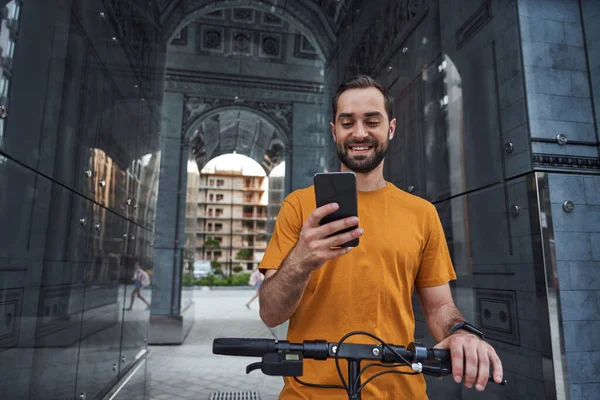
column 281, row 292
column 471, row 356
column 441, row 314
column 282, row 289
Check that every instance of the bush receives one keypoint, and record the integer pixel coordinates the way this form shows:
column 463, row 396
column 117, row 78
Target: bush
column 214, row 280
column 188, row 280
column 237, row 269
column 233, row 280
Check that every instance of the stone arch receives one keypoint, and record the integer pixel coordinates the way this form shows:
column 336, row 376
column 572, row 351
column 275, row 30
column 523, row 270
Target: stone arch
column 196, row 140
column 284, row 132
column 304, row 15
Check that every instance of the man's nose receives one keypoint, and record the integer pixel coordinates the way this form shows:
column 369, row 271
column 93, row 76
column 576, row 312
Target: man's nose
column 360, row 130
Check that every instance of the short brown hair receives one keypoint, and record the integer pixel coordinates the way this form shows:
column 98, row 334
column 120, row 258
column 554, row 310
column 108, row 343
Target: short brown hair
column 363, row 82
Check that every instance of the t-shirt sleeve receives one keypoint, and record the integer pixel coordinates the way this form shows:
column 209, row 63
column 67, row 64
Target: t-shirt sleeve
column 285, row 235
column 436, row 265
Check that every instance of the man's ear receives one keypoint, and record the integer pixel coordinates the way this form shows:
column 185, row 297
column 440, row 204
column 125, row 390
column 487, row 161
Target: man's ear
column 333, row 131
column 392, row 128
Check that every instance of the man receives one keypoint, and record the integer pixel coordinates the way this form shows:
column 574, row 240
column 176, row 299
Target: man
column 327, row 292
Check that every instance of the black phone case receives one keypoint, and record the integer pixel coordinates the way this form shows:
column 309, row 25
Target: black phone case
column 338, row 187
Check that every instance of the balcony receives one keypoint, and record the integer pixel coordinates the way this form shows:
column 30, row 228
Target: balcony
column 211, row 231
column 254, row 215
column 253, row 188
column 13, row 27
column 7, row 64
column 248, row 232
column 211, row 215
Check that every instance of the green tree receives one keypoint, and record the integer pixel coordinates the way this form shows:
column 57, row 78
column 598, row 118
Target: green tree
column 211, row 244
column 244, row 254
column 216, row 267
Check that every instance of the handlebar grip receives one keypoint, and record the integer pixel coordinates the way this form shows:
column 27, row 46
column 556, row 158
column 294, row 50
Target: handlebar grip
column 439, row 354
column 244, row 347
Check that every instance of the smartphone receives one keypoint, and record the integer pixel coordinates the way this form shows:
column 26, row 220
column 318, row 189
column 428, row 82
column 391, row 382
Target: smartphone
column 340, row 188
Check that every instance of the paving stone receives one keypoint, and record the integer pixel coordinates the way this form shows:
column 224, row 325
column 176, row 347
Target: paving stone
column 191, row 371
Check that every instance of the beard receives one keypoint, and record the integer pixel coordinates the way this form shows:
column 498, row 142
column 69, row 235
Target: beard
column 362, row 163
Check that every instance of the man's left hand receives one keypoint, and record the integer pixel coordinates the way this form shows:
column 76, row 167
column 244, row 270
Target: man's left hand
column 471, row 357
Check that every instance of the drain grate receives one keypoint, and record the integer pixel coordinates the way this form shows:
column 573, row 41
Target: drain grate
column 241, row 395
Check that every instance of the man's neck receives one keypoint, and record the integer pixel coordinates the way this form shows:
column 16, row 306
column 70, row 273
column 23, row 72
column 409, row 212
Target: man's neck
column 368, row 181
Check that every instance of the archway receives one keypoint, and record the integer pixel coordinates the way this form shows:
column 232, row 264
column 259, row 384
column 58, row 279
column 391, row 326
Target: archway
column 255, row 89
column 303, row 14
column 210, row 135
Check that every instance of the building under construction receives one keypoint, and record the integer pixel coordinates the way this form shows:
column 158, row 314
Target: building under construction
column 230, row 208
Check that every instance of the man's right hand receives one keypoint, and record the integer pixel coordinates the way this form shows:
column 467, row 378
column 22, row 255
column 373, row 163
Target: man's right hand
column 314, row 245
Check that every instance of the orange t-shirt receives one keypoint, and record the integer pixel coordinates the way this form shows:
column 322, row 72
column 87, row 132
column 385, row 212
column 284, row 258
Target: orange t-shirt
column 368, row 289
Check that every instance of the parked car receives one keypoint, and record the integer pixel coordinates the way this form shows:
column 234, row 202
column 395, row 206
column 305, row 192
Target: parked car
column 202, row 268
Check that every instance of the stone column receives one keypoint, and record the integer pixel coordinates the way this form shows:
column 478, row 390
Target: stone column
column 167, row 320
column 560, row 56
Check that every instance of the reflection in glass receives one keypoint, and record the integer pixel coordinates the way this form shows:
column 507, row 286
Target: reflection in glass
column 100, row 101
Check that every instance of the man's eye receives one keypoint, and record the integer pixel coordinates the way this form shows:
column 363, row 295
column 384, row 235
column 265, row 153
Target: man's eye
column 346, row 124
column 372, row 123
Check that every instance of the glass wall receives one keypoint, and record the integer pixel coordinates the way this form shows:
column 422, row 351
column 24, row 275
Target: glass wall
column 102, row 104
column 79, row 159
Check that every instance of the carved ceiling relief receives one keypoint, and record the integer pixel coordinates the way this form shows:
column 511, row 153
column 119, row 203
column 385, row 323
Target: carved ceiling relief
column 389, row 31
column 248, row 32
column 196, row 105
column 173, row 14
column 336, row 10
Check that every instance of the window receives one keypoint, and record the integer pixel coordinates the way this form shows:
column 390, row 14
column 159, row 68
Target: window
column 219, row 197
column 16, row 10
column 218, row 212
column 247, row 225
column 218, row 239
column 3, row 86
column 275, row 184
column 275, row 196
column 211, row 182
column 220, row 182
column 11, row 48
column 217, row 254
column 210, row 212
column 211, row 197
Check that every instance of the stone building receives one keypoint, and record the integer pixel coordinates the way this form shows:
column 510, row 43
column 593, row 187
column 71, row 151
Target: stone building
column 101, row 103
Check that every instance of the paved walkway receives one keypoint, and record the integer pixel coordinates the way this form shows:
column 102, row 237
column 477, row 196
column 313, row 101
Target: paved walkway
column 191, row 371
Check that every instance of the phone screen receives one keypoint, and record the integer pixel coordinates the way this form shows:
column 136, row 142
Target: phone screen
column 338, row 187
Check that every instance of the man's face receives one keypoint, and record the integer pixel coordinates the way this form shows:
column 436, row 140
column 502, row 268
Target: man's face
column 362, row 129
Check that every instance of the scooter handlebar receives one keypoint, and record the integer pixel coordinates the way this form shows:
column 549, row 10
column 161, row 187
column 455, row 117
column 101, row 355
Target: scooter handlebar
column 244, row 347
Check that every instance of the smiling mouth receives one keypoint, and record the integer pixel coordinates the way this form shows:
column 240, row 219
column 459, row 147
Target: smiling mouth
column 360, row 149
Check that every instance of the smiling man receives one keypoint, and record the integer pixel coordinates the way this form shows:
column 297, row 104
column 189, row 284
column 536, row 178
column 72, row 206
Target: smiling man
column 327, row 292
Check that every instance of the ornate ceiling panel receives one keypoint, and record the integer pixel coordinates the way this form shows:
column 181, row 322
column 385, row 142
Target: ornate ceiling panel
column 335, row 10
column 316, row 19
column 248, row 32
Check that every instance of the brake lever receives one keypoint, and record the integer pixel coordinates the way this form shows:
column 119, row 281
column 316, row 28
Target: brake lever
column 253, row 366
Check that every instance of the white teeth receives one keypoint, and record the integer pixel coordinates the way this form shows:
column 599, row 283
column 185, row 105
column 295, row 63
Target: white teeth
column 360, row 148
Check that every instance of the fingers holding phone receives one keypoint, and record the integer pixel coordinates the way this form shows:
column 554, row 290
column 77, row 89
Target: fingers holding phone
column 319, row 242
column 332, row 229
